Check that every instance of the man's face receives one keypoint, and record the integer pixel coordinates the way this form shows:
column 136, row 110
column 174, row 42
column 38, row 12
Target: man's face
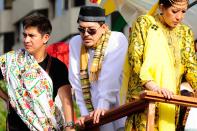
column 34, row 42
column 90, row 32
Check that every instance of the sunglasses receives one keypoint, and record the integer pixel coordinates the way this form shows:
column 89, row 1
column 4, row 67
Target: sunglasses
column 88, row 30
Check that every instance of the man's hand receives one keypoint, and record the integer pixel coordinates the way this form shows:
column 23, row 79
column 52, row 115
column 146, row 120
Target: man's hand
column 80, row 121
column 96, row 114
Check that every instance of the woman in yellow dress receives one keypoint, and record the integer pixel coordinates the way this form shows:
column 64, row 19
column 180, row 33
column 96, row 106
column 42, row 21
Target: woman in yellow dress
column 161, row 53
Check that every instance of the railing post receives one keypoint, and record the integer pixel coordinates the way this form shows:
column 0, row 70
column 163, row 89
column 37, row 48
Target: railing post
column 150, row 116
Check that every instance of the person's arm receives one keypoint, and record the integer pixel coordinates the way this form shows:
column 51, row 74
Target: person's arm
column 62, row 88
column 74, row 73
column 190, row 61
column 4, row 95
column 137, row 41
column 151, row 85
column 109, row 81
column 65, row 95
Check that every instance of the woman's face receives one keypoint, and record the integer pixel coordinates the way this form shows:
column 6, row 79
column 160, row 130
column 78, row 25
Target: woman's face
column 173, row 15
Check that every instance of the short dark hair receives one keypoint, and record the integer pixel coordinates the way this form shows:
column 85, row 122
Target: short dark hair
column 40, row 21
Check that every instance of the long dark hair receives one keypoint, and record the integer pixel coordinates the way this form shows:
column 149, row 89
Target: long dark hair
column 168, row 3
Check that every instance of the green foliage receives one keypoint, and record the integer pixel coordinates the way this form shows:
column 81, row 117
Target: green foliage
column 3, row 110
column 3, row 114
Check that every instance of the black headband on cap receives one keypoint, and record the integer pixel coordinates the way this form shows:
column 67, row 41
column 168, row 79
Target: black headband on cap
column 91, row 14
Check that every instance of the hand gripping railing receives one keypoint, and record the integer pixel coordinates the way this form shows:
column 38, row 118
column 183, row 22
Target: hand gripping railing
column 148, row 99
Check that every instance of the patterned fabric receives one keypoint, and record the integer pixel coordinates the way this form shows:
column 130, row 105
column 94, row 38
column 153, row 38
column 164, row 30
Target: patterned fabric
column 95, row 67
column 30, row 90
column 152, row 69
column 181, row 44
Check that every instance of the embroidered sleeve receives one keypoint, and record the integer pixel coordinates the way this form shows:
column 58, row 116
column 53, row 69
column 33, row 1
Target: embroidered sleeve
column 136, row 43
column 190, row 60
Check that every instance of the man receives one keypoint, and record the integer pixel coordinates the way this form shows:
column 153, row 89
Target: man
column 96, row 60
column 33, row 80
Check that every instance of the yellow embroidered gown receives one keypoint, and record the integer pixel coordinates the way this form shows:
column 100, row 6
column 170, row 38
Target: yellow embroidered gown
column 181, row 45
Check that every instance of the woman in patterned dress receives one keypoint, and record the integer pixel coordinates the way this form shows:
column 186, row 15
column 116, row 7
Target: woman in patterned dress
column 160, row 54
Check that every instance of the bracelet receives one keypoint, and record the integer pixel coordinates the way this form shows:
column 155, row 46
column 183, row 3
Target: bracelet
column 69, row 124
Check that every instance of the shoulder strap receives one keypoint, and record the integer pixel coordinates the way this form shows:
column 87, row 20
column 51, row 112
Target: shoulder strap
column 48, row 64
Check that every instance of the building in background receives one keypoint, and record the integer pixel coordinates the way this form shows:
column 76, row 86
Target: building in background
column 6, row 26
column 62, row 13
